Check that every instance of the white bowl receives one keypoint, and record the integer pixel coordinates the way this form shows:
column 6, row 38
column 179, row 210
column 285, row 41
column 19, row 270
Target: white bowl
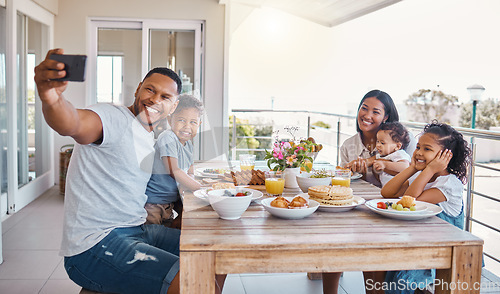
column 291, row 213
column 305, row 181
column 228, row 207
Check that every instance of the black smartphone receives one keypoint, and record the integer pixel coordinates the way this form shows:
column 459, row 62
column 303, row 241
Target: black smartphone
column 74, row 65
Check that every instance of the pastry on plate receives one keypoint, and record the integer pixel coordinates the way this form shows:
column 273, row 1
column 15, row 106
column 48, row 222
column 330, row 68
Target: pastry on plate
column 331, row 195
column 407, row 201
column 280, row 202
column 218, row 186
column 298, row 202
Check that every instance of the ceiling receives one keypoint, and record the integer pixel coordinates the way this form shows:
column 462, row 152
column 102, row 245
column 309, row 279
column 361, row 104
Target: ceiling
column 325, row 12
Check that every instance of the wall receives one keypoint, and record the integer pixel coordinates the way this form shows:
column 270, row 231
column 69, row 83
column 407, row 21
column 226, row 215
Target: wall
column 50, row 5
column 71, row 31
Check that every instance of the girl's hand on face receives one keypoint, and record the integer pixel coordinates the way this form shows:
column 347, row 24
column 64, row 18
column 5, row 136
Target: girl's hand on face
column 441, row 161
column 413, row 161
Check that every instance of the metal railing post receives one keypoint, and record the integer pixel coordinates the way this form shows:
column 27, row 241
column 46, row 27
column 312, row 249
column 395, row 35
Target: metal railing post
column 308, row 126
column 338, row 140
column 233, row 149
column 470, row 186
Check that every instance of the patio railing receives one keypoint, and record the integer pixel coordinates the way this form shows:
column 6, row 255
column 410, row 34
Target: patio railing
column 342, row 127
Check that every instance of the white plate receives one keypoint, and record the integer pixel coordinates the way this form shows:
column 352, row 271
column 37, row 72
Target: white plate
column 296, row 213
column 332, row 208
column 426, row 210
column 202, row 193
column 420, row 207
column 200, row 172
column 356, row 176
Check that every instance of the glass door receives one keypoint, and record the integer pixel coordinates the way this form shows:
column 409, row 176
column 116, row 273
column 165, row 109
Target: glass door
column 30, row 124
column 3, row 112
column 118, row 63
column 122, row 52
column 33, row 139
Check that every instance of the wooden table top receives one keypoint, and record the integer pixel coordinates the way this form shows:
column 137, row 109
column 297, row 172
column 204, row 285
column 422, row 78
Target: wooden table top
column 203, row 230
column 355, row 240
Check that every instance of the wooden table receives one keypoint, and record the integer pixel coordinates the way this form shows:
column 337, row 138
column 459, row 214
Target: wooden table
column 358, row 240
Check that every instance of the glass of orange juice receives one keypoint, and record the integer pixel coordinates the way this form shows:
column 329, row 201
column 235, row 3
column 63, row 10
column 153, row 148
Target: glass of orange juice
column 247, row 161
column 275, row 183
column 342, row 177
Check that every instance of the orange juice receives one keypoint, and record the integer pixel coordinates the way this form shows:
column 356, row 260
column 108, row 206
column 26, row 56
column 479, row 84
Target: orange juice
column 247, row 167
column 247, row 161
column 275, row 186
column 346, row 182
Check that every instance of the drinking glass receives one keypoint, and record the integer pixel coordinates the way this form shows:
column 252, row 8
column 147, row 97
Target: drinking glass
column 342, row 177
column 247, row 161
column 275, row 183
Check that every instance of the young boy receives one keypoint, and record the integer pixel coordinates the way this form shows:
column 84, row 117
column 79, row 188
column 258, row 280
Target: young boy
column 391, row 159
column 173, row 163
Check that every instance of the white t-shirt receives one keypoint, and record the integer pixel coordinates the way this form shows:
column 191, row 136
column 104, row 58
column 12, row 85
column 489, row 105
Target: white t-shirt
column 395, row 156
column 451, row 187
column 162, row 188
column 106, row 183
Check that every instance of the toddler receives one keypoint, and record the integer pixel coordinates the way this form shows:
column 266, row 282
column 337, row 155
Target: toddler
column 173, row 163
column 392, row 139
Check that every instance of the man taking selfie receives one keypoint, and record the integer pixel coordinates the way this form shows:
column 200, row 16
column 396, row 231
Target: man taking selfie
column 105, row 244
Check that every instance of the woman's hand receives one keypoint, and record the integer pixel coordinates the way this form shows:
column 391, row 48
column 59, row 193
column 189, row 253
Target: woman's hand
column 358, row 165
column 440, row 162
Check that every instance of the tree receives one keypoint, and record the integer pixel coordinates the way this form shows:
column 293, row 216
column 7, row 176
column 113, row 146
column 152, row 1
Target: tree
column 487, row 114
column 247, row 129
column 243, row 128
column 321, row 124
column 426, row 105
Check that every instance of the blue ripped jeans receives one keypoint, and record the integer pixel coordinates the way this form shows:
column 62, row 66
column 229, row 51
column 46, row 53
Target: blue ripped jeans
column 142, row 259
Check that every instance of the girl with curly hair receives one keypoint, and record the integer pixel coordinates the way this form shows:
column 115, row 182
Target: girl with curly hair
column 437, row 174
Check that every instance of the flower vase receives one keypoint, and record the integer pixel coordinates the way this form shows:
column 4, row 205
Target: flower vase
column 291, row 177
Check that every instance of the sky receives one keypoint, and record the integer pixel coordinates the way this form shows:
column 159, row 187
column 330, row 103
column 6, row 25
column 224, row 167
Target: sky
column 414, row 44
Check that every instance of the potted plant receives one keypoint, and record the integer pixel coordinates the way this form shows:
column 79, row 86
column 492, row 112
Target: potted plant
column 289, row 156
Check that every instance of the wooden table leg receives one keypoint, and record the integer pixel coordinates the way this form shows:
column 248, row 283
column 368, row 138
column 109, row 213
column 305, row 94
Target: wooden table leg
column 464, row 276
column 197, row 272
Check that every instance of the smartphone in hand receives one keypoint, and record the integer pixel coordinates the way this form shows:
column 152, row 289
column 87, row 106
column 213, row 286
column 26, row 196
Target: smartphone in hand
column 74, row 65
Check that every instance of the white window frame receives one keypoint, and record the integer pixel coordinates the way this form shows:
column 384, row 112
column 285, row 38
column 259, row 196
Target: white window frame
column 112, row 55
column 146, row 25
column 94, row 25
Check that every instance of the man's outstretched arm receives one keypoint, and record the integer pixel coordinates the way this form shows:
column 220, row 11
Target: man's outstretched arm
column 84, row 126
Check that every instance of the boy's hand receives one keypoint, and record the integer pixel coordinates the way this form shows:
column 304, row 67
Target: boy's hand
column 379, row 166
column 441, row 161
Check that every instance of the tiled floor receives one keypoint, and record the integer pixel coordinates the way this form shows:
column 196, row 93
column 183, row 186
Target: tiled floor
column 31, row 240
